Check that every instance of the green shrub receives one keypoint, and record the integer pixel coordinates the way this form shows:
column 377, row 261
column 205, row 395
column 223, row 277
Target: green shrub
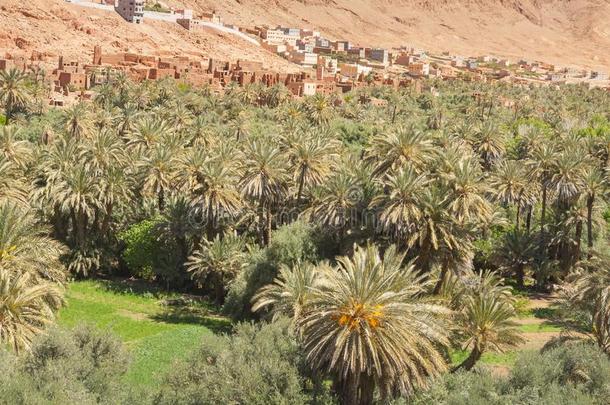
column 572, row 374
column 150, row 256
column 289, row 244
column 82, row 366
column 259, row 364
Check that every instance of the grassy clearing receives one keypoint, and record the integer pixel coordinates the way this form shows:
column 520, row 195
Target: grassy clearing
column 156, row 327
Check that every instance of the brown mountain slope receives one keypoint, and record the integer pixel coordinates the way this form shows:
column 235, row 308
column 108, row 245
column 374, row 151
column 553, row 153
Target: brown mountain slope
column 561, row 31
column 56, row 27
column 566, row 32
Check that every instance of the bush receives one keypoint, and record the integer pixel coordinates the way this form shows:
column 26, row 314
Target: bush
column 148, row 255
column 573, row 374
column 82, row 366
column 289, row 244
column 256, row 365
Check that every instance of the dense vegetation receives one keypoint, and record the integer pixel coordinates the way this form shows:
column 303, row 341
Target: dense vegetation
column 369, row 242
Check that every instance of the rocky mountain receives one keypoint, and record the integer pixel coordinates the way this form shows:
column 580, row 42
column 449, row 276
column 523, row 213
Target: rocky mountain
column 572, row 32
column 566, row 32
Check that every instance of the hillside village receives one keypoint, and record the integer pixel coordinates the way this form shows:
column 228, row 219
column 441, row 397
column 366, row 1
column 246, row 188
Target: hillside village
column 326, row 66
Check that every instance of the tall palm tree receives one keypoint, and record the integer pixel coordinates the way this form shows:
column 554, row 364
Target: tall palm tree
column 594, row 187
column 400, row 146
column 439, row 238
column 369, row 327
column 542, row 161
column 158, row 169
column 311, row 160
column 78, row 121
column 468, row 191
column 264, row 180
column 336, row 203
column 399, row 203
column 14, row 93
column 26, row 307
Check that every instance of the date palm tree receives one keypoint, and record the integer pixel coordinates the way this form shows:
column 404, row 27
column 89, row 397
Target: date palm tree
column 369, row 326
column 264, row 180
column 399, row 203
column 290, row 291
column 78, row 121
column 594, row 187
column 25, row 246
column 401, row 145
column 217, row 263
column 26, row 307
column 311, row 159
column 13, row 91
column 485, row 317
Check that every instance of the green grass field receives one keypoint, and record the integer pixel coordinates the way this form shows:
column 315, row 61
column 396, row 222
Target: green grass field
column 157, row 328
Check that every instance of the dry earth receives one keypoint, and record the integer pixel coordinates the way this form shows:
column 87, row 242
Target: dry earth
column 566, row 32
column 54, row 27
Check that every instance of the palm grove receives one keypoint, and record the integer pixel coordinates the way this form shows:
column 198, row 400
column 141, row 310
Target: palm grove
column 381, row 238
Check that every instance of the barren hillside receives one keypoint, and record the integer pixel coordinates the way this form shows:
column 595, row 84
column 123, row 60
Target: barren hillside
column 560, row 31
column 567, row 32
column 55, row 27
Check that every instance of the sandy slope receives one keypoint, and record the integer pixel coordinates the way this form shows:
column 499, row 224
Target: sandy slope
column 55, row 27
column 560, row 31
column 567, row 32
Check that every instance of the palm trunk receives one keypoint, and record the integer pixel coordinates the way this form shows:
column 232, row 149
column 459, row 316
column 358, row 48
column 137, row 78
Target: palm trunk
column 107, row 218
column 209, row 226
column 528, row 219
column 590, row 202
column 261, row 222
column 471, row 360
column 301, row 181
column 161, row 199
column 543, row 211
column 520, row 274
column 578, row 237
column 267, row 234
column 518, row 212
column 441, row 277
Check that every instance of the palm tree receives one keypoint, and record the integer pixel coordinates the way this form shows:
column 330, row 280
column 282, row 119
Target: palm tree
column 515, row 254
column 369, row 327
column 78, row 121
column 311, row 160
column 440, row 239
column 400, row 203
column 510, row 185
column 216, row 194
column 13, row 91
column 489, row 143
column 25, row 246
column 336, row 202
column 217, row 263
column 486, row 321
column 541, row 163
column 26, row 307
column 290, row 291
column 468, row 190
column 158, row 169
column 594, row 187
column 400, row 146
column 15, row 150
column 264, row 181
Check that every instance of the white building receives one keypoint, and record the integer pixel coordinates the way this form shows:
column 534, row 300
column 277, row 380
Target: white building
column 131, row 10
